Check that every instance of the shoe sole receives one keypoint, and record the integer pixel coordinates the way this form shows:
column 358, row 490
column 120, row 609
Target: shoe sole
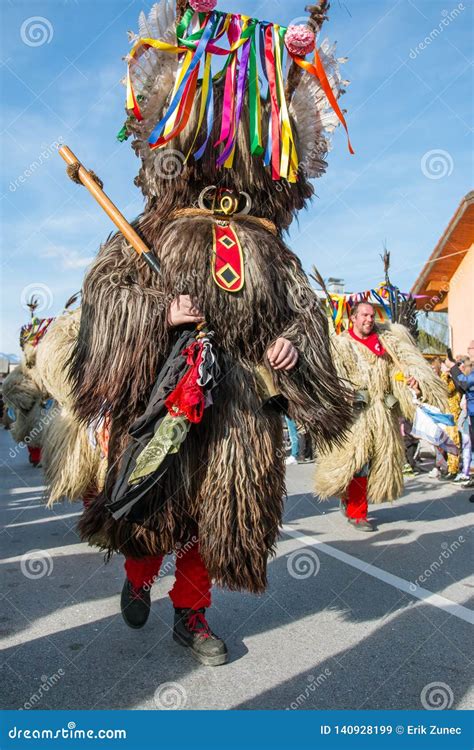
column 361, row 528
column 208, row 661
column 134, row 627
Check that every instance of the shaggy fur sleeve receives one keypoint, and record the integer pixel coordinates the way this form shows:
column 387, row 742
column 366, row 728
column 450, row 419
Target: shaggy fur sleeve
column 317, row 395
column 122, row 334
column 409, row 360
column 20, row 391
column 53, row 353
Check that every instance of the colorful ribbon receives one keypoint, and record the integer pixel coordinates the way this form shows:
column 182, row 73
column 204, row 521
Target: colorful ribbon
column 198, row 39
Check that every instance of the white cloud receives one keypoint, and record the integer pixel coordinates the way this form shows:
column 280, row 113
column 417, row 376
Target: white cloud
column 69, row 258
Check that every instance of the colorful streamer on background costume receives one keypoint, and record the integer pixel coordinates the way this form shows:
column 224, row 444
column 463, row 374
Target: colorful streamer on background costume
column 384, row 296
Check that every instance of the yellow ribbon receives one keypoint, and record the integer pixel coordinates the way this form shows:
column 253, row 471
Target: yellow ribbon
column 206, row 82
column 289, row 157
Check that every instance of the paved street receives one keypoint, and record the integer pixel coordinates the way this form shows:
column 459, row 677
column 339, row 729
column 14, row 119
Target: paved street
column 350, row 620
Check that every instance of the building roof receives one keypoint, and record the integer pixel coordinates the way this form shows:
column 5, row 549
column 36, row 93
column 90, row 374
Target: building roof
column 447, row 256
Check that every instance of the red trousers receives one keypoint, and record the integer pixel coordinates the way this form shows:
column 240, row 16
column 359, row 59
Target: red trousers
column 35, row 454
column 192, row 586
column 356, row 499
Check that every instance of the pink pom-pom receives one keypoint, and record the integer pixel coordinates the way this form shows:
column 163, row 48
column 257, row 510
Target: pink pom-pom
column 299, row 40
column 203, row 6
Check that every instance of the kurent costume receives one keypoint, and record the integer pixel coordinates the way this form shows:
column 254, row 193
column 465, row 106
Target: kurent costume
column 71, row 461
column 187, row 419
column 24, row 392
column 368, row 465
column 454, row 408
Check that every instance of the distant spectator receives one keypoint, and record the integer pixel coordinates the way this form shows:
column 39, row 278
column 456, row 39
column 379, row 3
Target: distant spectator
column 411, row 446
column 454, row 406
column 294, row 441
column 436, row 364
column 465, row 381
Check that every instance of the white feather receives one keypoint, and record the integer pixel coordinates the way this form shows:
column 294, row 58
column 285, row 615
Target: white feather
column 314, row 116
column 153, row 71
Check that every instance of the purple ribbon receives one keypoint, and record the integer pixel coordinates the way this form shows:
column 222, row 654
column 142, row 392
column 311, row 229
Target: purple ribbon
column 241, row 83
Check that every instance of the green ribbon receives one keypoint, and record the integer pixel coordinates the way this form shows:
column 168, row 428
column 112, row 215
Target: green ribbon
column 255, row 118
column 122, row 135
column 167, row 439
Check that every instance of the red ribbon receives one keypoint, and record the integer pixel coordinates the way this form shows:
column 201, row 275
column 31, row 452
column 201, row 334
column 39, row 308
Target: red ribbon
column 184, row 110
column 270, row 65
column 187, row 399
column 318, row 71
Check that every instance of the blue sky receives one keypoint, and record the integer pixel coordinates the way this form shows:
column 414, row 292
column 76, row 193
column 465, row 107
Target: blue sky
column 410, row 97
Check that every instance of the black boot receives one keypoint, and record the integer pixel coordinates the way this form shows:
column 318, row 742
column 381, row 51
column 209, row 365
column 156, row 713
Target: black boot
column 192, row 631
column 135, row 605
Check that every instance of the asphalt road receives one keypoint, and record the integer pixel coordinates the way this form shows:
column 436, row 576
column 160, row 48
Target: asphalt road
column 349, row 621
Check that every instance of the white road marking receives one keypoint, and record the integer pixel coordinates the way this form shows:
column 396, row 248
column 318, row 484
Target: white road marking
column 22, row 490
column 436, row 600
column 68, row 549
column 42, row 520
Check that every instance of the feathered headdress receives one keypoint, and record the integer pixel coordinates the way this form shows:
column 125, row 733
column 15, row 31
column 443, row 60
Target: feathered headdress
column 180, row 54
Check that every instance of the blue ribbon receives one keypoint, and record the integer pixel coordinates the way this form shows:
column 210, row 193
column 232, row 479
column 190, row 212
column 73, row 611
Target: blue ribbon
column 200, row 49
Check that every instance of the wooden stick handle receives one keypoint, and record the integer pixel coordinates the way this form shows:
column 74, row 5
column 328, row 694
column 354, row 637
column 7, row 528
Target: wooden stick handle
column 110, row 208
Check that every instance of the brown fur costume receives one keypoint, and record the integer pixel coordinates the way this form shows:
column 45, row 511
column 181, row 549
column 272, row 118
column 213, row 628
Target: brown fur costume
column 375, row 433
column 228, row 477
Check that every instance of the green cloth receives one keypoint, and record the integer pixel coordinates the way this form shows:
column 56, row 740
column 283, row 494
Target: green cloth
column 170, row 434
